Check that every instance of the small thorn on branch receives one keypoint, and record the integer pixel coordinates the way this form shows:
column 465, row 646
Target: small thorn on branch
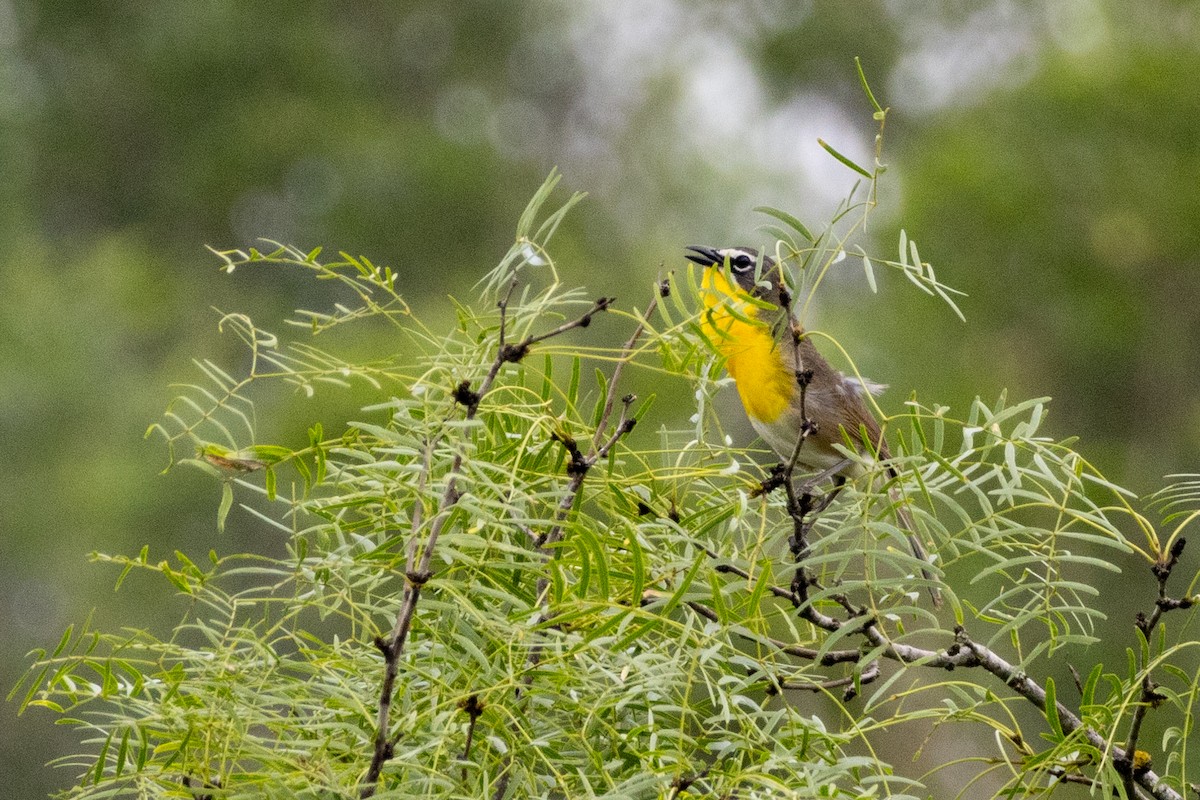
column 627, row 423
column 1076, row 677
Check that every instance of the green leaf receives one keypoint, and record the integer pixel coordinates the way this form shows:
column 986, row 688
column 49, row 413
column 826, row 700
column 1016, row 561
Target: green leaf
column 63, row 642
column 870, row 271
column 101, row 758
column 862, row 79
column 573, row 387
column 786, row 219
column 122, row 753
column 1052, row 711
column 846, row 161
column 225, row 506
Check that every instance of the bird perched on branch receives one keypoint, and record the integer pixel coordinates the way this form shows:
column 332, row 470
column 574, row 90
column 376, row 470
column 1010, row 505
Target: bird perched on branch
column 786, row 386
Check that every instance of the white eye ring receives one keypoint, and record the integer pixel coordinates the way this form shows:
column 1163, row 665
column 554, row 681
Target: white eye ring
column 741, row 264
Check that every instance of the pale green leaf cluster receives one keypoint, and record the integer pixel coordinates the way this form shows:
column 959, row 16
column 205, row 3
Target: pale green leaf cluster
column 648, row 653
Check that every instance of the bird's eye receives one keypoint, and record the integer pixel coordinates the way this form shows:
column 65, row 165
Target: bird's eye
column 742, row 263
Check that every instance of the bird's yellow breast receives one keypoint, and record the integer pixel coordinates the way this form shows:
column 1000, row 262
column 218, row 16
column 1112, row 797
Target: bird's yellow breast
column 754, row 360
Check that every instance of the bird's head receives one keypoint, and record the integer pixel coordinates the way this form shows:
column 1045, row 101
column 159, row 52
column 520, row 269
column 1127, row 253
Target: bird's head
column 762, row 281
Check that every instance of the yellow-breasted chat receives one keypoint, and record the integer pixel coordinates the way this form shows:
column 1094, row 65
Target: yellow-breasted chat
column 783, row 380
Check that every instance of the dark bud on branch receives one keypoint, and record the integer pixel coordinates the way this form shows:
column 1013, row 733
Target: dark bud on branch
column 578, row 465
column 684, row 782
column 512, row 353
column 804, row 377
column 785, row 297
column 772, row 482
column 601, row 305
column 1170, row 604
column 1162, row 569
column 418, row 577
column 472, row 705
column 464, row 396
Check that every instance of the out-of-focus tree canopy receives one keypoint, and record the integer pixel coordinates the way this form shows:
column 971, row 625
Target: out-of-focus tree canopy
column 1043, row 154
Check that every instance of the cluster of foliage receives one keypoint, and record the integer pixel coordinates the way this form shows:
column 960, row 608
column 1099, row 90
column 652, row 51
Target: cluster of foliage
column 493, row 586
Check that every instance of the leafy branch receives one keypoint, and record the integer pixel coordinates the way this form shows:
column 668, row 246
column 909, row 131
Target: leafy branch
column 566, row 603
column 417, row 571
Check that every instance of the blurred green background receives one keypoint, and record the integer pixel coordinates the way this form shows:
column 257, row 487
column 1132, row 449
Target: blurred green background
column 1044, row 155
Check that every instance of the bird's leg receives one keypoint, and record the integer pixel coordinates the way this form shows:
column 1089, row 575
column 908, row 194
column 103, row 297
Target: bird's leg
column 824, row 475
column 779, row 474
column 839, row 482
column 802, row 507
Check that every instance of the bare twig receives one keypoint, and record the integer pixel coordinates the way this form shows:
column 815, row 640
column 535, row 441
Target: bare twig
column 601, row 446
column 827, row 659
column 198, row 793
column 850, row 682
column 626, row 354
column 474, row 708
column 1151, row 697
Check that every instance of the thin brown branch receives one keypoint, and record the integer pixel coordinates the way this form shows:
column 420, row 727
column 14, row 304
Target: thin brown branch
column 1151, row 697
column 850, row 682
column 626, row 354
column 516, row 352
column 474, row 708
column 827, row 659
column 1025, row 686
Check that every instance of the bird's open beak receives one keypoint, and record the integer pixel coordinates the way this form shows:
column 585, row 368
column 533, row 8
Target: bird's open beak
column 704, row 256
